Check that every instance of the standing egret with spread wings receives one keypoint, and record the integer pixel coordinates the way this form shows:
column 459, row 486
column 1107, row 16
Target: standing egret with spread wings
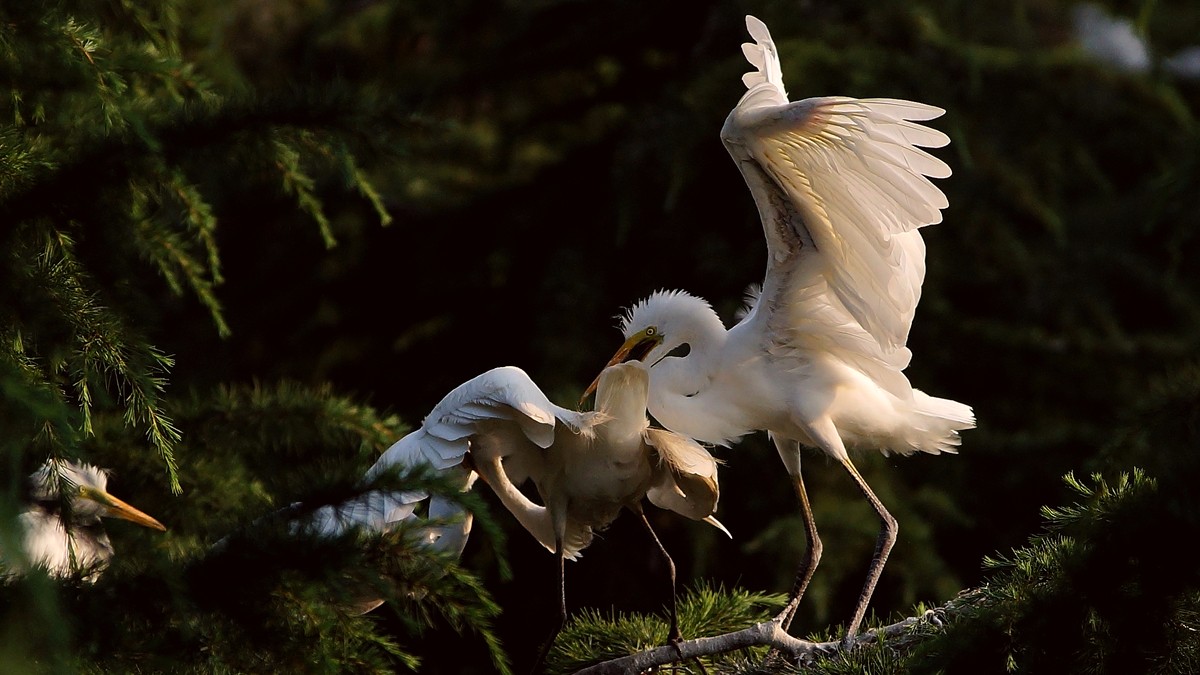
column 586, row 466
column 842, row 187
column 61, row 529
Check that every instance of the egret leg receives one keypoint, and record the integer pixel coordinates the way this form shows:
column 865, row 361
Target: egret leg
column 813, row 548
column 562, row 609
column 883, row 546
column 674, row 636
column 825, row 435
column 812, row 555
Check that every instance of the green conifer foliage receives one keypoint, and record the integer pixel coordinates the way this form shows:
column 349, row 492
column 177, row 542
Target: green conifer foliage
column 197, row 290
column 112, row 172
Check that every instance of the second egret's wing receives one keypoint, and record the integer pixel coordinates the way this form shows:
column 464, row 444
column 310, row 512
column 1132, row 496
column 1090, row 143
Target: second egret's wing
column 842, row 187
column 685, row 477
column 501, row 394
column 502, row 403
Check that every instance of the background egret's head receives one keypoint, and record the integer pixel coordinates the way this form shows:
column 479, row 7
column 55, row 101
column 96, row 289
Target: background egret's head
column 85, row 488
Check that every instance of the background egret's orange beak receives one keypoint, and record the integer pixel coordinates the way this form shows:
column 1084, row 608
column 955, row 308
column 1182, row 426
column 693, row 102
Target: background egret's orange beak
column 116, row 508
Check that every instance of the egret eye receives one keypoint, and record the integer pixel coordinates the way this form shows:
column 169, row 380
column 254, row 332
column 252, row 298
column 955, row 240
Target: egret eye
column 651, row 331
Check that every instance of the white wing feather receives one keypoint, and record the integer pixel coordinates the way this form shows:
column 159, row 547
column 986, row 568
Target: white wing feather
column 495, row 404
column 842, row 187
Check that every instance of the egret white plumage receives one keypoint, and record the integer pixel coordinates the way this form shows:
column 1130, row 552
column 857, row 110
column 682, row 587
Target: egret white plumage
column 63, row 533
column 816, row 360
column 586, row 466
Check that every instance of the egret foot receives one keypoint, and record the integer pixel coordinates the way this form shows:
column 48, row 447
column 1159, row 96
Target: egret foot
column 675, row 639
column 775, row 660
column 776, row 657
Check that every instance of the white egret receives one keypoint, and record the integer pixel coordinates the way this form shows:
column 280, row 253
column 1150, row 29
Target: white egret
column 817, row 357
column 66, row 535
column 586, row 466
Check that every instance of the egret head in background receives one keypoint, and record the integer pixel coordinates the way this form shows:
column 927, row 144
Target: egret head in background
column 61, row 528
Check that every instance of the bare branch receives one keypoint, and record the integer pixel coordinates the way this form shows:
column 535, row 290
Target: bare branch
column 765, row 634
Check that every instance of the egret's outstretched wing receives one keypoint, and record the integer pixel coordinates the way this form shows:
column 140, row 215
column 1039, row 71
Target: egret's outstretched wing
column 501, row 408
column 501, row 394
column 380, row 511
column 841, row 185
column 685, row 477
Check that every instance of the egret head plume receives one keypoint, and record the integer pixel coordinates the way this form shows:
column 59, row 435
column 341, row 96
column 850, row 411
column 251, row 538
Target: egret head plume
column 664, row 321
column 669, row 312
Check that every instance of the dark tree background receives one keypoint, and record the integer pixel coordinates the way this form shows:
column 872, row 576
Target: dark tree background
column 248, row 244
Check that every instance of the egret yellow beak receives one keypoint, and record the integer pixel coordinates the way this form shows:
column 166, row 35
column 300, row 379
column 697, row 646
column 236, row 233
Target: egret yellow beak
column 637, row 347
column 115, row 508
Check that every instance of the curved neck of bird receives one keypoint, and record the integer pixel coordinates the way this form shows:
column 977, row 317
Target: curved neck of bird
column 687, row 375
column 534, row 518
column 621, row 400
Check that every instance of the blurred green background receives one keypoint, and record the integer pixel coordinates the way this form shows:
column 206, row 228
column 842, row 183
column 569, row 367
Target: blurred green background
column 545, row 165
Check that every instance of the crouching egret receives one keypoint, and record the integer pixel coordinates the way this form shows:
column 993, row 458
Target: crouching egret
column 63, row 532
column 841, row 188
column 586, row 466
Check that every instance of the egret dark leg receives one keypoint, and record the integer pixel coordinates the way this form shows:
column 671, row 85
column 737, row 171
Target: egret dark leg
column 674, row 636
column 812, row 554
column 562, row 609
column 883, row 546
column 812, row 550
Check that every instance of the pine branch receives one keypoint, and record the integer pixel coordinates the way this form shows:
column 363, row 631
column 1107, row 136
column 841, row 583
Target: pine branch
column 298, row 183
column 357, row 179
column 292, row 608
column 160, row 241
column 103, row 350
column 764, row 634
column 180, row 131
column 1072, row 585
